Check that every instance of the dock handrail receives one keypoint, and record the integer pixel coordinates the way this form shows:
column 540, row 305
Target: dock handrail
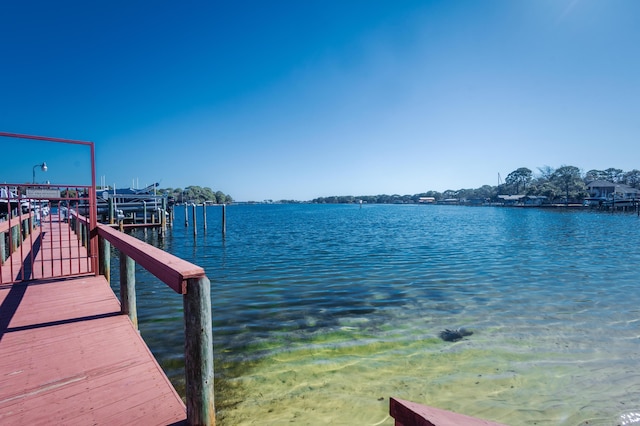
column 19, row 228
column 184, row 278
column 168, row 268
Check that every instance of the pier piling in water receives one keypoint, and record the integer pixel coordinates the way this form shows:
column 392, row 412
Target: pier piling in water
column 204, row 216
column 224, row 220
column 195, row 222
column 104, row 261
column 198, row 352
column 128, row 288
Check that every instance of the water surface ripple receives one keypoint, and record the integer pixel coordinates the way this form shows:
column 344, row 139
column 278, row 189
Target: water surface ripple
column 322, row 312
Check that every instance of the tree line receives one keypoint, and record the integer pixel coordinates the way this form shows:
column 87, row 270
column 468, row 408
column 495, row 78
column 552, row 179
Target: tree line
column 196, row 194
column 564, row 184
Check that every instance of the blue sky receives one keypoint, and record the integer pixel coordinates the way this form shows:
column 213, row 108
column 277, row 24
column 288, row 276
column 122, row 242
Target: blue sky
column 303, row 99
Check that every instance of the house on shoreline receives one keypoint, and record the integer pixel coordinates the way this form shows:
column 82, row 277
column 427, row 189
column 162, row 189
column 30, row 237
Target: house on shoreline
column 523, row 200
column 605, row 193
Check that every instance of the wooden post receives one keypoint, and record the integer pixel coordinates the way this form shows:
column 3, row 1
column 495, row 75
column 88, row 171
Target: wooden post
column 128, row 288
column 15, row 243
column 104, row 262
column 186, row 215
column 85, row 235
column 198, row 352
column 112, row 212
column 195, row 224
column 144, row 209
column 224, row 220
column 163, row 222
column 204, row 216
column 3, row 250
column 164, row 208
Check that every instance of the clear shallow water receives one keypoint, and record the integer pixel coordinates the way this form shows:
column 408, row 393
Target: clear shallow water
column 322, row 312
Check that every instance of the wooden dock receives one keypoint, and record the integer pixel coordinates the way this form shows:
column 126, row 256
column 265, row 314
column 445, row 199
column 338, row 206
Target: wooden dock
column 67, row 355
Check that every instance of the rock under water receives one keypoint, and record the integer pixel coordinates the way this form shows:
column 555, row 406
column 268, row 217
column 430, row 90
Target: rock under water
column 453, row 335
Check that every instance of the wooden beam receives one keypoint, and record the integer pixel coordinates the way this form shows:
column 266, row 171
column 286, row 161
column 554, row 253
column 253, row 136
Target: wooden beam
column 407, row 413
column 170, row 269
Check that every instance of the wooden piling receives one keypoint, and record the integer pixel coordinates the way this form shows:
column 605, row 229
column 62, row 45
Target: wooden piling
column 165, row 210
column 163, row 222
column 186, row 215
column 128, row 288
column 25, row 228
column 224, row 220
column 85, row 235
column 195, row 224
column 144, row 211
column 204, row 216
column 112, row 211
column 198, row 350
column 15, row 240
column 104, row 261
column 3, row 250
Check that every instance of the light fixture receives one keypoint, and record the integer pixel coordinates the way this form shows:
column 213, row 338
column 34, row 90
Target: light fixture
column 42, row 166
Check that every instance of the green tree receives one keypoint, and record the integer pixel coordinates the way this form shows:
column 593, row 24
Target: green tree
column 632, row 178
column 614, row 175
column 545, row 173
column 519, row 177
column 569, row 180
column 593, row 175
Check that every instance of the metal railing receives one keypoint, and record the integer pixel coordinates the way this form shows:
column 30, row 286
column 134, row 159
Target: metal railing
column 36, row 240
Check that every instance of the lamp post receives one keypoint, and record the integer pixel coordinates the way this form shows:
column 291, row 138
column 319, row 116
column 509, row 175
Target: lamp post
column 42, row 166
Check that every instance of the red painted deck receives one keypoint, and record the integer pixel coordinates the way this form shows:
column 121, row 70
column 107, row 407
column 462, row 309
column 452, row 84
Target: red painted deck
column 67, row 356
column 407, row 413
column 52, row 249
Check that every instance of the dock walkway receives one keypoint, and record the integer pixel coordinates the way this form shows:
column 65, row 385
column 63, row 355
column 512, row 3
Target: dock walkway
column 67, row 355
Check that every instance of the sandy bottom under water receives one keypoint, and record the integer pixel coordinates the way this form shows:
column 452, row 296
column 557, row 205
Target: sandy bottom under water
column 508, row 375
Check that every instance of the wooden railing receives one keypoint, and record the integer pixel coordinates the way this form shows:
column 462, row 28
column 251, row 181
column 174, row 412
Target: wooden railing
column 18, row 229
column 184, row 278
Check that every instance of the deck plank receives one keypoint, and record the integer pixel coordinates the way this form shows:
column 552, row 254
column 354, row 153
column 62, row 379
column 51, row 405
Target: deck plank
column 68, row 357
column 57, row 251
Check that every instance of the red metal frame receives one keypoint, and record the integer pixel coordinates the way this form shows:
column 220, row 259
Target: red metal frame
column 85, row 196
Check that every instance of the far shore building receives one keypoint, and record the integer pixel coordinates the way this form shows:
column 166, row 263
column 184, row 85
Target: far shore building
column 523, row 200
column 511, row 200
column 426, row 200
column 605, row 192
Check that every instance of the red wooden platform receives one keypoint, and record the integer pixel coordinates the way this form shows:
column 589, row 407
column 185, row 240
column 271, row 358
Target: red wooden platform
column 50, row 250
column 407, row 413
column 67, row 356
